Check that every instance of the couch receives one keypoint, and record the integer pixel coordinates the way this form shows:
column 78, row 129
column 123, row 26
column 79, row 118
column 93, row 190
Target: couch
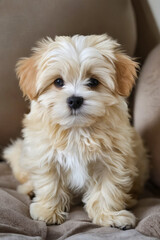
column 22, row 23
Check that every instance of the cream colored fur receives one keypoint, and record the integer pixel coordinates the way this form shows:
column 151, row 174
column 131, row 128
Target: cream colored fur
column 94, row 151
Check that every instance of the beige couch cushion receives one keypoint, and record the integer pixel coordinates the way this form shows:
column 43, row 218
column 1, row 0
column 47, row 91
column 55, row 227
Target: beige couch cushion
column 147, row 109
column 23, row 22
column 15, row 219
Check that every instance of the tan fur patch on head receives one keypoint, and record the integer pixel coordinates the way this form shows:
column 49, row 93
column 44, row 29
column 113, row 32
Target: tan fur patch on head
column 125, row 74
column 27, row 72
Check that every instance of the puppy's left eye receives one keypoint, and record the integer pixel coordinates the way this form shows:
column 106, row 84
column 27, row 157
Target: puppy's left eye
column 92, row 82
column 59, row 82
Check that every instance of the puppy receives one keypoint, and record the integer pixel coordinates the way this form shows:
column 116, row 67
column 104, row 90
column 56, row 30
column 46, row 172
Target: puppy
column 77, row 137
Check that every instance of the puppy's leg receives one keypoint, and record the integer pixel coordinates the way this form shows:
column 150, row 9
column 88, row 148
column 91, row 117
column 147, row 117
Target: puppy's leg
column 52, row 197
column 12, row 155
column 106, row 200
column 25, row 188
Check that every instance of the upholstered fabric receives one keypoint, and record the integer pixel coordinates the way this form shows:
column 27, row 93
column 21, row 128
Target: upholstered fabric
column 23, row 22
column 16, row 223
column 147, row 109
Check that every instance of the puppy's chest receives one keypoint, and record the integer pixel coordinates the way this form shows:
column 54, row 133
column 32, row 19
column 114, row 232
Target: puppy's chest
column 75, row 168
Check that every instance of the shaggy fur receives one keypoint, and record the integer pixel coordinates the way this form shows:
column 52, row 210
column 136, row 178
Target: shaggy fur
column 91, row 151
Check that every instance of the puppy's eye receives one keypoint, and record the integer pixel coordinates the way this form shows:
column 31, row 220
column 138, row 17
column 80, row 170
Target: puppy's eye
column 92, row 82
column 59, row 83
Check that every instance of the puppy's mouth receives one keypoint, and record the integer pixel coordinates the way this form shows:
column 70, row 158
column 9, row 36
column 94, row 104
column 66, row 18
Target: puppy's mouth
column 75, row 112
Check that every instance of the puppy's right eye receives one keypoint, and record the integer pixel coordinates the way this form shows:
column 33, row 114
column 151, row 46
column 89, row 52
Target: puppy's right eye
column 92, row 83
column 59, row 83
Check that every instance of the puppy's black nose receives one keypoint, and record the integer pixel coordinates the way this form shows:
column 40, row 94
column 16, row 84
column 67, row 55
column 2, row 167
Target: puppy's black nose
column 74, row 102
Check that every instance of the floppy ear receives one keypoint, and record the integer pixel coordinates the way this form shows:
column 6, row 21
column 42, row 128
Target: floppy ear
column 125, row 74
column 26, row 71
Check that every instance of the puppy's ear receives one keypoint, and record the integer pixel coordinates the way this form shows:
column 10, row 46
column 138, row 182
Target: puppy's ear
column 26, row 71
column 125, row 74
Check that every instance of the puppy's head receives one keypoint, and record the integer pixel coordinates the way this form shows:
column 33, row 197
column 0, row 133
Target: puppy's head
column 76, row 79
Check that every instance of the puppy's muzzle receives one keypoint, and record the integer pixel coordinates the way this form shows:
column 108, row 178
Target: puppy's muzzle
column 74, row 102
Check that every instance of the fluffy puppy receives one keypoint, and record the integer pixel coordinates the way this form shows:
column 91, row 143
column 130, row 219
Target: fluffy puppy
column 77, row 137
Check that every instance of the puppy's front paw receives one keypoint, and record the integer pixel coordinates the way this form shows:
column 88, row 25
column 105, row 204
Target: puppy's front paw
column 51, row 216
column 121, row 219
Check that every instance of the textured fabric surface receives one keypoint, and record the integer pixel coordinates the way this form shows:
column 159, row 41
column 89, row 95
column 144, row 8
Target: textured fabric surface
column 10, row 236
column 15, row 221
column 147, row 109
column 23, row 23
column 14, row 212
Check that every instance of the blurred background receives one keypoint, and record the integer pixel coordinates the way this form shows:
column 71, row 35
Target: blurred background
column 135, row 24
